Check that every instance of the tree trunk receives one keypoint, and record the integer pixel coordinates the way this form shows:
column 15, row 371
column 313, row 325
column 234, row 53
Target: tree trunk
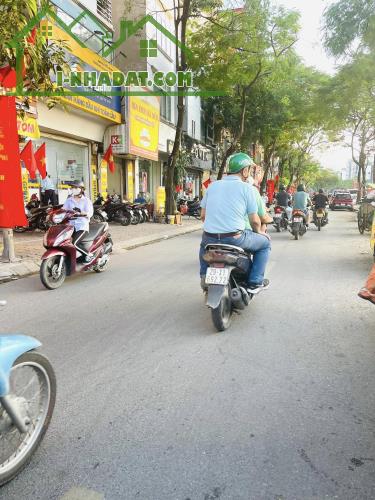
column 181, row 65
column 8, row 254
column 227, row 154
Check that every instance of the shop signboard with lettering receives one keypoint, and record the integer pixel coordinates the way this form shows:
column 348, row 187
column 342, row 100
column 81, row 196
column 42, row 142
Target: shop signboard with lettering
column 144, row 120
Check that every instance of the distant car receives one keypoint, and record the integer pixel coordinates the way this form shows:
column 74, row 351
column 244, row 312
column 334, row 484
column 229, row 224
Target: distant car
column 341, row 199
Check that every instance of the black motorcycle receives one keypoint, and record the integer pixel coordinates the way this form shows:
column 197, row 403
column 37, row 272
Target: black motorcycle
column 226, row 281
column 116, row 210
column 191, row 208
column 36, row 217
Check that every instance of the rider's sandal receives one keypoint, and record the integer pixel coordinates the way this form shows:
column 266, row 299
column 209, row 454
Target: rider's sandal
column 365, row 294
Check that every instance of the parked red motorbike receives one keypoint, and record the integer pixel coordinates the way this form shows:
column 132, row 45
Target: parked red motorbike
column 63, row 258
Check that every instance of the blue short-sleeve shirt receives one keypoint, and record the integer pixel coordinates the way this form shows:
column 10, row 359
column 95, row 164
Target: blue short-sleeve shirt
column 227, row 203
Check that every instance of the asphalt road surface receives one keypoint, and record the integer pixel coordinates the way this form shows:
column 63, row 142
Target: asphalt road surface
column 153, row 404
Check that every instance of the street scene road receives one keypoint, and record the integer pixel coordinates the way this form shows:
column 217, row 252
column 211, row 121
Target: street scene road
column 154, row 404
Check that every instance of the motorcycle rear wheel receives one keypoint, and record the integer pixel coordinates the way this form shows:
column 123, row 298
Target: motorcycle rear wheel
column 319, row 224
column 48, row 272
column 12, row 461
column 20, row 229
column 222, row 315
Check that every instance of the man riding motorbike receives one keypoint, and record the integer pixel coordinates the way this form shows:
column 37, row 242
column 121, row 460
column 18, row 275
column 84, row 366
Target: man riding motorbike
column 282, row 199
column 225, row 205
column 320, row 200
column 301, row 201
column 82, row 205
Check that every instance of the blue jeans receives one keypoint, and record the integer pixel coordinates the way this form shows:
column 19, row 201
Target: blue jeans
column 257, row 244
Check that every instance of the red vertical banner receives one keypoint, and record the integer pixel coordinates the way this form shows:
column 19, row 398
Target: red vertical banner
column 270, row 190
column 12, row 211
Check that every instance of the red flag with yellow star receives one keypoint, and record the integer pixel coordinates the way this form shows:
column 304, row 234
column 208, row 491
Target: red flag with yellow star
column 40, row 157
column 108, row 158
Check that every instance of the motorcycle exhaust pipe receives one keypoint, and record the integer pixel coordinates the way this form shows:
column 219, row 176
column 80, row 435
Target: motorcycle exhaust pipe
column 240, row 298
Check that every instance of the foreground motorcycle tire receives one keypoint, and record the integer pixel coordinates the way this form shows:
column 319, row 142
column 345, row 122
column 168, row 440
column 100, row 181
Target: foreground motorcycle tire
column 319, row 224
column 278, row 230
column 31, row 440
column 222, row 315
column 48, row 275
column 296, row 235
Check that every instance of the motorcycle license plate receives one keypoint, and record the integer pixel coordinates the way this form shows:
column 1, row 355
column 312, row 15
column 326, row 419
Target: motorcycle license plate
column 320, row 216
column 277, row 216
column 104, row 214
column 297, row 219
column 217, row 276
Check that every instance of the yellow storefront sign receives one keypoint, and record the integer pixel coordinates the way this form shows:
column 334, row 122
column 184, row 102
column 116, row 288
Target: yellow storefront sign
column 25, row 185
column 130, row 180
column 103, row 181
column 144, row 118
column 372, row 242
column 160, row 199
column 92, row 59
column 93, row 107
column 28, row 127
column 84, row 53
column 94, row 183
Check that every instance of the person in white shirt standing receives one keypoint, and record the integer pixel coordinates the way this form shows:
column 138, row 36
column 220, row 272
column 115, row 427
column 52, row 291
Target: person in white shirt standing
column 78, row 202
column 48, row 187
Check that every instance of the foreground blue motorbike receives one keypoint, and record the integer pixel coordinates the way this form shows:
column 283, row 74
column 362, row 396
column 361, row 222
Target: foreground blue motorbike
column 27, row 400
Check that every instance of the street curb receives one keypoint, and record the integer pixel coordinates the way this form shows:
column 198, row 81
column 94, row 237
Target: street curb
column 155, row 240
column 29, row 267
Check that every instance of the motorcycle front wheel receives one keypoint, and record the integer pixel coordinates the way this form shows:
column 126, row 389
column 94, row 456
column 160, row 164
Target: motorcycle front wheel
column 319, row 224
column 126, row 219
column 33, row 391
column 49, row 272
column 136, row 219
column 222, row 315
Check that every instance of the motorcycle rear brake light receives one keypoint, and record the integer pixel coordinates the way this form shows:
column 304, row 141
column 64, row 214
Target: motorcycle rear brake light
column 221, row 264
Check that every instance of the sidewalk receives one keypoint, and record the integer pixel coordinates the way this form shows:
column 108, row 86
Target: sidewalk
column 29, row 246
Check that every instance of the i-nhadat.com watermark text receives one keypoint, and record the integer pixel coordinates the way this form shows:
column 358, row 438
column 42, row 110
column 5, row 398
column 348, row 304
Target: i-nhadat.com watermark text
column 119, row 79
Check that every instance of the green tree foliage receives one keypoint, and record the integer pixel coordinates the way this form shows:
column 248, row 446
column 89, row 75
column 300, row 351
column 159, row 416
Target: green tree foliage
column 350, row 27
column 41, row 58
column 241, row 50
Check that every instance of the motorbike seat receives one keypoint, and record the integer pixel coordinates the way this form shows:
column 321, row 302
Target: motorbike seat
column 221, row 246
column 95, row 230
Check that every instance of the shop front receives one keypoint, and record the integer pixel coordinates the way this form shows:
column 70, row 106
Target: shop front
column 200, row 169
column 135, row 143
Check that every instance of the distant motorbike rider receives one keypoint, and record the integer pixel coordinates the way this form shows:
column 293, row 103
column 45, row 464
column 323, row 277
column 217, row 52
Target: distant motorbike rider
column 282, row 199
column 320, row 200
column 225, row 205
column 79, row 203
column 301, row 201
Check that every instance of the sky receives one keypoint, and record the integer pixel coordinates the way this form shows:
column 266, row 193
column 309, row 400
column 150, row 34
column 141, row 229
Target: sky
column 310, row 48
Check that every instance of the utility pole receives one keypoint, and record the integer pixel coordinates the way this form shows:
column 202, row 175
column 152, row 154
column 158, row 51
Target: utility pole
column 373, row 171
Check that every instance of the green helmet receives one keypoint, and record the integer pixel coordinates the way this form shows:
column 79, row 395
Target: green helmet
column 238, row 162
